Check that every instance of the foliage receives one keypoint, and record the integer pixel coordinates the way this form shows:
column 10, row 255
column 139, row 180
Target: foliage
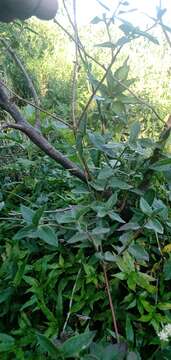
column 85, row 267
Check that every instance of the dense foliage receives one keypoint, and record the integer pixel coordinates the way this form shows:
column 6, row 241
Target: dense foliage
column 85, row 266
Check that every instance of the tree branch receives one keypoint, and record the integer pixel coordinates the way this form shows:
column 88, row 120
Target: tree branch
column 37, row 138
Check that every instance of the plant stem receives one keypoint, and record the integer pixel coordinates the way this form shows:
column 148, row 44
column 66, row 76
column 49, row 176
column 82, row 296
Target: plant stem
column 111, row 303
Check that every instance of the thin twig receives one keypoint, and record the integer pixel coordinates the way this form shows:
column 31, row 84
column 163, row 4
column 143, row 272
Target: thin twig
column 165, row 34
column 75, row 69
column 111, row 303
column 80, row 46
column 99, row 85
column 71, row 301
column 35, row 106
column 27, row 77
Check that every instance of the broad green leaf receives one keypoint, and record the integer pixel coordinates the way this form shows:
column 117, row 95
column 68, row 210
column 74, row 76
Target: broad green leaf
column 138, row 252
column 75, row 344
column 102, row 212
column 47, row 234
column 154, row 225
column 78, row 237
column 65, row 217
column 27, row 214
column 96, row 20
column 145, row 207
column 27, row 231
column 7, row 343
column 100, row 231
column 162, row 165
column 48, row 347
column 114, row 352
column 108, row 256
column 119, row 184
column 126, row 263
column 143, row 280
column 105, row 173
column 131, row 281
column 118, row 107
column 115, row 216
column 111, row 201
column 122, row 41
column 31, row 281
column 130, row 226
column 121, row 276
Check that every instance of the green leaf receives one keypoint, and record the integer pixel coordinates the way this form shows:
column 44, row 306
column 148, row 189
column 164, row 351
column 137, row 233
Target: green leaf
column 122, row 72
column 145, row 207
column 108, row 256
column 138, row 252
column 162, row 165
column 115, row 216
column 6, row 294
column 27, row 214
column 48, row 347
column 106, row 44
column 100, row 231
column 143, row 280
column 78, row 237
column 119, row 184
column 118, row 108
column 129, row 330
column 114, row 352
column 154, row 225
column 164, row 306
column 74, row 345
column 96, row 20
column 129, row 226
column 47, row 234
column 122, row 41
column 27, row 231
column 131, row 30
column 7, row 343
column 37, row 216
column 111, row 201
